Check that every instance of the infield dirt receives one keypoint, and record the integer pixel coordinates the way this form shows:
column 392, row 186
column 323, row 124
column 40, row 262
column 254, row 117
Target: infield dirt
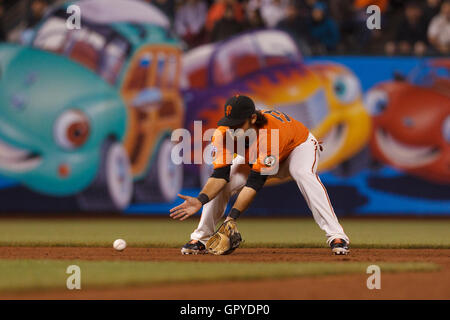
column 410, row 285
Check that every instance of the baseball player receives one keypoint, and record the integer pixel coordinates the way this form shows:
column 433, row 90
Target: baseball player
column 297, row 157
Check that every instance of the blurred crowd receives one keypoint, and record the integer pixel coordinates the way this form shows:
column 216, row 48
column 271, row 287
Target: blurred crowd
column 320, row 27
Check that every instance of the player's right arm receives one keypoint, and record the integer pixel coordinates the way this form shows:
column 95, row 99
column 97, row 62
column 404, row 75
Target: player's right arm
column 218, row 180
column 213, row 186
column 191, row 205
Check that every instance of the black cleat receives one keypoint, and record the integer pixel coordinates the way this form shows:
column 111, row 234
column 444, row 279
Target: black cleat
column 339, row 246
column 193, row 247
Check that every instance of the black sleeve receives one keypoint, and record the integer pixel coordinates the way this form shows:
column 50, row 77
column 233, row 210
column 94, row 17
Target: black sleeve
column 256, row 180
column 222, row 173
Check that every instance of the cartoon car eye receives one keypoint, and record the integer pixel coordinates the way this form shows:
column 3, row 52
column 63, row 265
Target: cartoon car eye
column 376, row 102
column 446, row 129
column 71, row 129
column 346, row 88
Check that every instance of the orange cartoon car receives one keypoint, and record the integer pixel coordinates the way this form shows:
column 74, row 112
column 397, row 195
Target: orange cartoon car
column 411, row 120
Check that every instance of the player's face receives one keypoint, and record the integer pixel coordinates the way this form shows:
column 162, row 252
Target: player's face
column 239, row 131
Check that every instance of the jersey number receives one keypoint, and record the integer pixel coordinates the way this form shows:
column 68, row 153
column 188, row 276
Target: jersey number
column 281, row 116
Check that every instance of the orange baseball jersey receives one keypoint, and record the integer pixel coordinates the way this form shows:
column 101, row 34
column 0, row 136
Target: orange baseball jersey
column 261, row 153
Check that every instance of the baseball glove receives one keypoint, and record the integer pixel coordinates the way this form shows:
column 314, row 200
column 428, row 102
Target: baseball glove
column 225, row 240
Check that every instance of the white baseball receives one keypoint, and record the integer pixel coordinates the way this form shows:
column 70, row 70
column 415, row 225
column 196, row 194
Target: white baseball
column 119, row 244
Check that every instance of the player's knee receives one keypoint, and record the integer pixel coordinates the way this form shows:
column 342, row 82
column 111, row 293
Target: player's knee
column 302, row 175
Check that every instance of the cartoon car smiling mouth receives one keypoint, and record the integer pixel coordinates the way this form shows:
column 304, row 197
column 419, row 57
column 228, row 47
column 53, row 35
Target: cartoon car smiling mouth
column 17, row 160
column 402, row 154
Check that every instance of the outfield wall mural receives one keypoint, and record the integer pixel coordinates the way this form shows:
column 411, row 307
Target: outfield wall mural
column 86, row 118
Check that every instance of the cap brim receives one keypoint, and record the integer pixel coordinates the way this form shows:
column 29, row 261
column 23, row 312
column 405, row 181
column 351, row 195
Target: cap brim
column 230, row 122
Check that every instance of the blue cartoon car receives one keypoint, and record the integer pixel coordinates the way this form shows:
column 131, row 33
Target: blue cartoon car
column 89, row 112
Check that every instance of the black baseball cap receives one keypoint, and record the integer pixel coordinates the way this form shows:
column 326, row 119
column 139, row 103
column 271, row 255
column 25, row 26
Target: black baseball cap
column 237, row 109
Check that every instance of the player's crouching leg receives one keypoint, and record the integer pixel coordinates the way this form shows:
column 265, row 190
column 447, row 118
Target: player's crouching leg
column 303, row 170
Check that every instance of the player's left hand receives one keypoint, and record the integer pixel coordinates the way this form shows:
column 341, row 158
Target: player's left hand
column 188, row 208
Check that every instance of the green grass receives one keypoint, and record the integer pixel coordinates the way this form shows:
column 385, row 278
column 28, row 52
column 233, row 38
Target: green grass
column 256, row 232
column 20, row 275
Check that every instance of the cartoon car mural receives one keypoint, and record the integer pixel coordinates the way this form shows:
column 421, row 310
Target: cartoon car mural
column 267, row 66
column 89, row 112
column 411, row 122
